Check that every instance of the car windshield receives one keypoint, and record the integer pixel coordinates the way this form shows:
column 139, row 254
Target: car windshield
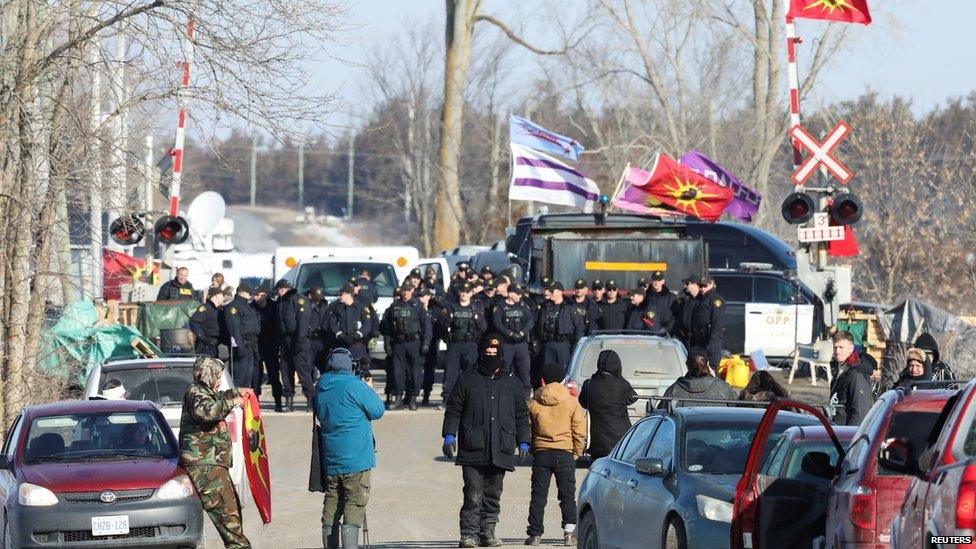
column 97, row 436
column 164, row 384
column 639, row 357
column 331, row 276
column 721, row 447
column 913, row 426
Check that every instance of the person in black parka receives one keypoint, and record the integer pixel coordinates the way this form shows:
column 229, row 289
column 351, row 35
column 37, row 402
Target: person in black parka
column 487, row 417
column 606, row 396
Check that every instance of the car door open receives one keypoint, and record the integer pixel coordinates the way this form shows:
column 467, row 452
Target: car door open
column 773, row 512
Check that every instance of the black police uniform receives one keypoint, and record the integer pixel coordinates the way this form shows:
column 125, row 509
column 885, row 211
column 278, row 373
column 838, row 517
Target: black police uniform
column 318, row 332
column 516, row 322
column 367, row 291
column 294, row 312
column 351, row 326
column 173, row 290
column 435, row 305
column 559, row 329
column 462, row 327
column 663, row 305
column 636, row 315
column 407, row 326
column 205, row 325
column 613, row 316
column 269, row 349
column 708, row 325
column 588, row 312
column 241, row 326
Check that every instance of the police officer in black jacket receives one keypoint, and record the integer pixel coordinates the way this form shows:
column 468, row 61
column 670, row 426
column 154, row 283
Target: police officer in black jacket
column 685, row 306
column 177, row 289
column 515, row 321
column 294, row 312
column 637, row 312
column 708, row 321
column 350, row 323
column 318, row 328
column 205, row 324
column 269, row 344
column 559, row 328
column 486, row 419
column 462, row 325
column 584, row 307
column 613, row 309
column 405, row 323
column 661, row 302
column 241, row 325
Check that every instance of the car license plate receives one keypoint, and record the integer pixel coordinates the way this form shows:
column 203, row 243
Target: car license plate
column 116, row 525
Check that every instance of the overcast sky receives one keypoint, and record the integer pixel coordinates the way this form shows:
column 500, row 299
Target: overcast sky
column 908, row 50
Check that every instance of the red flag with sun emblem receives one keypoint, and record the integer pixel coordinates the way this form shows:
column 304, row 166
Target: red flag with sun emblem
column 675, row 186
column 846, row 11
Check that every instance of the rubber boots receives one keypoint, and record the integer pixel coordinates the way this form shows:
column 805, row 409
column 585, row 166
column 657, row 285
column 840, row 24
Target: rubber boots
column 350, row 536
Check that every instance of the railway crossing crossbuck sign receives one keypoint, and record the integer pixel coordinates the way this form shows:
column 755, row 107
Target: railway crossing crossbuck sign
column 820, row 153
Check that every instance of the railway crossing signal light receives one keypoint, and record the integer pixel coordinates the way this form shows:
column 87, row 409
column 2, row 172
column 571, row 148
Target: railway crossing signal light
column 171, row 230
column 127, row 230
column 798, row 208
column 847, row 209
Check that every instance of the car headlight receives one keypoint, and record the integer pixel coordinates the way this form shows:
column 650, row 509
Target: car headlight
column 714, row 509
column 175, row 488
column 32, row 495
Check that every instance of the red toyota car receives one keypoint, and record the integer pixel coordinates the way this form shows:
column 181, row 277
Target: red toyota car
column 97, row 473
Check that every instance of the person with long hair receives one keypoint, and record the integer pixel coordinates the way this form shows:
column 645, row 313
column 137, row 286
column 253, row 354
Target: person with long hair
column 763, row 387
column 699, row 384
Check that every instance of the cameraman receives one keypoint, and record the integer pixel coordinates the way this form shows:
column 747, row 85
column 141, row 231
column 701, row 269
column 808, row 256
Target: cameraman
column 345, row 404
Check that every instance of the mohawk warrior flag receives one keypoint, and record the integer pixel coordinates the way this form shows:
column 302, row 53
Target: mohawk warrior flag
column 845, row 11
column 676, row 186
column 524, row 132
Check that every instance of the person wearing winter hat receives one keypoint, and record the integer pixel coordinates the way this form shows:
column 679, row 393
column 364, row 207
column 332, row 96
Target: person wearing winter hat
column 606, row 395
column 345, row 407
column 484, row 400
column 558, row 439
column 917, row 370
column 939, row 369
column 698, row 384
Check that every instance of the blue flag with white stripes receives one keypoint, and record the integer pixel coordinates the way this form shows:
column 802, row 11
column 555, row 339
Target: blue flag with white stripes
column 524, row 132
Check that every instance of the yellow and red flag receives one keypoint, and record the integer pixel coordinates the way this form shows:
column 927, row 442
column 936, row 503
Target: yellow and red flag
column 675, row 186
column 845, row 11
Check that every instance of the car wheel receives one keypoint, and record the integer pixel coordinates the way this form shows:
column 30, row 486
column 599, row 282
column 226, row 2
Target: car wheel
column 674, row 535
column 587, row 538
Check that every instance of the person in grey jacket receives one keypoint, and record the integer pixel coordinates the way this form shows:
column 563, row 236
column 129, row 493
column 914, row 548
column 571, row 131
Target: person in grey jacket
column 698, row 384
column 851, row 393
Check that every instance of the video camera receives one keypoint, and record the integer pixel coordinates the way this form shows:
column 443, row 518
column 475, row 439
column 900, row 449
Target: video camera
column 360, row 367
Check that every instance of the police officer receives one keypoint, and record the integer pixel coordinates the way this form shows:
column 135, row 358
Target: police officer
column 367, row 288
column 460, row 276
column 515, row 320
column 294, row 312
column 432, row 282
column 318, row 328
column 637, row 317
column 462, row 325
column 241, row 326
column 708, row 321
column 405, row 323
column 584, row 307
column 684, row 308
column 430, row 352
column 350, row 323
column 487, row 274
column 205, row 324
column 415, row 279
column 661, row 302
column 269, row 344
column 559, row 328
column 391, row 389
column 613, row 309
column 177, row 289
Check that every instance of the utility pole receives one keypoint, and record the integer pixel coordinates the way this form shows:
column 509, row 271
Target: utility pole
column 95, row 189
column 254, row 169
column 147, row 184
column 117, row 191
column 351, row 182
column 301, row 177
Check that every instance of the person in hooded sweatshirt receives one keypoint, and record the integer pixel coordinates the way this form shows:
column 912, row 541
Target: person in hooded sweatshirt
column 916, row 370
column 852, row 389
column 927, row 344
column 606, row 396
column 558, row 438
column 698, row 384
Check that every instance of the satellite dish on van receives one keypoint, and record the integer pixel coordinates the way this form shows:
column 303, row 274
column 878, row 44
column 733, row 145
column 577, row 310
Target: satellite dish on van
column 206, row 210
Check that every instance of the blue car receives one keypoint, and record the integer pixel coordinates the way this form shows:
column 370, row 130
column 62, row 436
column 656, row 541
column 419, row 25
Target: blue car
column 670, row 480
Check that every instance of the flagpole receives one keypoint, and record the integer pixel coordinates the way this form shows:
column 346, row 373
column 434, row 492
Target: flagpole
column 791, row 41
column 620, row 183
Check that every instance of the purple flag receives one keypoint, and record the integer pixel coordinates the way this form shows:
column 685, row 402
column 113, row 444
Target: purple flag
column 745, row 201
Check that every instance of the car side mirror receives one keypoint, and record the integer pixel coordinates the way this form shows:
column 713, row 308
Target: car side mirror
column 898, row 454
column 650, row 466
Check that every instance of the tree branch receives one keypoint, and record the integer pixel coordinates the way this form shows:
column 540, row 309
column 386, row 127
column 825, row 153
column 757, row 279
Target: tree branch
column 516, row 38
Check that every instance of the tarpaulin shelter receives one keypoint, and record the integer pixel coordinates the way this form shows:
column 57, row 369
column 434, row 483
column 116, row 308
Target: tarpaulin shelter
column 956, row 337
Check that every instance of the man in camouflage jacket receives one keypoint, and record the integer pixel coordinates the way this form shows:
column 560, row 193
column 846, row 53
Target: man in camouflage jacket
column 205, row 448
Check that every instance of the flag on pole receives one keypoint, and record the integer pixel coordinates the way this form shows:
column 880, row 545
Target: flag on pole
column 522, row 131
column 671, row 184
column 745, row 201
column 633, row 198
column 542, row 178
column 845, row 11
